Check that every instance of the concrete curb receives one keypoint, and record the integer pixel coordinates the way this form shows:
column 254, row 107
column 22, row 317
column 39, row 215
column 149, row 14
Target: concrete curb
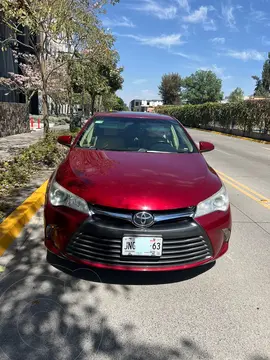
column 12, row 226
column 234, row 136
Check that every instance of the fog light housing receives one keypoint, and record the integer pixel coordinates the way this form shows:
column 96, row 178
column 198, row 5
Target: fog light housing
column 227, row 234
column 48, row 232
column 52, row 234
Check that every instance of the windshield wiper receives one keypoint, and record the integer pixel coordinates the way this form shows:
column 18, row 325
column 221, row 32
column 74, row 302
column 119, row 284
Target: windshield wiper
column 86, row 147
column 142, row 150
column 108, row 149
column 163, row 152
column 183, row 152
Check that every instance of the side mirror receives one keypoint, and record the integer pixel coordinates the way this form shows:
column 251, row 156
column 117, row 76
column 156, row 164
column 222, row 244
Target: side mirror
column 65, row 140
column 206, row 146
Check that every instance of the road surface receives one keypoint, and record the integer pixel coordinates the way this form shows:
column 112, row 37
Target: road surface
column 220, row 312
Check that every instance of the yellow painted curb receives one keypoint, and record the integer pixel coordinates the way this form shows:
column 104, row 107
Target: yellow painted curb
column 234, row 136
column 12, row 226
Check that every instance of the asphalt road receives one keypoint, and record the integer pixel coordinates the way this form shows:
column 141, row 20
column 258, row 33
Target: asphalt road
column 220, row 312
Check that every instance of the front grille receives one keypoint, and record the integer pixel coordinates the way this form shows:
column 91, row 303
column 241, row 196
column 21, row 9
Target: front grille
column 176, row 251
column 121, row 215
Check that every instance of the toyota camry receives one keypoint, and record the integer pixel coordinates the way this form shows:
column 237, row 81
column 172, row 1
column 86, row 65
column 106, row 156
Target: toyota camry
column 136, row 193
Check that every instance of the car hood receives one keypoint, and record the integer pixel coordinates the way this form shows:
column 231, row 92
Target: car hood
column 138, row 181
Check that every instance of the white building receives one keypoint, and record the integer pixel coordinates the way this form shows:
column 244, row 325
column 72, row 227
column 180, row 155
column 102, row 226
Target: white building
column 144, row 105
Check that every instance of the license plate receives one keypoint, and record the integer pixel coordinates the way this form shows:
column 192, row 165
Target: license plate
column 142, row 246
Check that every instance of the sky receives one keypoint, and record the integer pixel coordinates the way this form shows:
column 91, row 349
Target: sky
column 154, row 37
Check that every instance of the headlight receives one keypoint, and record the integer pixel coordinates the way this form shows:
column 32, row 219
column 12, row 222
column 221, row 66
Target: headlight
column 60, row 196
column 217, row 202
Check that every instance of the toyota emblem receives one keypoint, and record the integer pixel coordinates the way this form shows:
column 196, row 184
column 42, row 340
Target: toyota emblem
column 143, row 219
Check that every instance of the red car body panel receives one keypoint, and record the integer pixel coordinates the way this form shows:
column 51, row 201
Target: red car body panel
column 135, row 181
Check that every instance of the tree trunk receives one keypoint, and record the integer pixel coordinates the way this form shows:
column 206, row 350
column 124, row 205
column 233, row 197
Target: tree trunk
column 70, row 102
column 27, row 103
column 83, row 101
column 44, row 94
column 45, row 112
column 93, row 100
column 100, row 103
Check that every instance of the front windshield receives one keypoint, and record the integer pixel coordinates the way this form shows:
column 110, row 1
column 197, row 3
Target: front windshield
column 136, row 134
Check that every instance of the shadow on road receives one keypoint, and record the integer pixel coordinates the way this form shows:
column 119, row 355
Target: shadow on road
column 48, row 314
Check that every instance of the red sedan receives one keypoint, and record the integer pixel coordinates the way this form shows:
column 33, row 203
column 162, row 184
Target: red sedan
column 135, row 193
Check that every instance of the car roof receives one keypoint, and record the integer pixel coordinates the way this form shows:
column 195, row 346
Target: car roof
column 134, row 114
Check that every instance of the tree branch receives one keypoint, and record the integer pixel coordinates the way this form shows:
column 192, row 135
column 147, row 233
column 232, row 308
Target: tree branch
column 10, row 40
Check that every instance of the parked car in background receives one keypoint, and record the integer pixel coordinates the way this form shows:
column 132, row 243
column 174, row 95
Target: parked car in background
column 135, row 193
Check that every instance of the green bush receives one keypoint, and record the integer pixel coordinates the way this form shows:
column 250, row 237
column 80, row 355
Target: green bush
column 46, row 153
column 245, row 115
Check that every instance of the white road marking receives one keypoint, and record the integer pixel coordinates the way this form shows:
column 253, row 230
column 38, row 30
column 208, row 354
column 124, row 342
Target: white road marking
column 230, row 258
column 267, row 148
column 224, row 152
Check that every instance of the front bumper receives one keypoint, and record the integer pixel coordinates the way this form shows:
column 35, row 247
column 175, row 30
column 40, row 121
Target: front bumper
column 97, row 241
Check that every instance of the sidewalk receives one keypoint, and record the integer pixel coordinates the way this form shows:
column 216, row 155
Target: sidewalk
column 10, row 145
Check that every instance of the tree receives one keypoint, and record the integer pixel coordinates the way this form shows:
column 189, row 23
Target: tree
column 259, row 90
column 102, row 81
column 203, row 86
column 236, row 95
column 170, row 89
column 262, row 87
column 120, row 104
column 96, row 79
column 55, row 27
column 114, row 102
column 26, row 83
column 29, row 81
column 266, row 74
